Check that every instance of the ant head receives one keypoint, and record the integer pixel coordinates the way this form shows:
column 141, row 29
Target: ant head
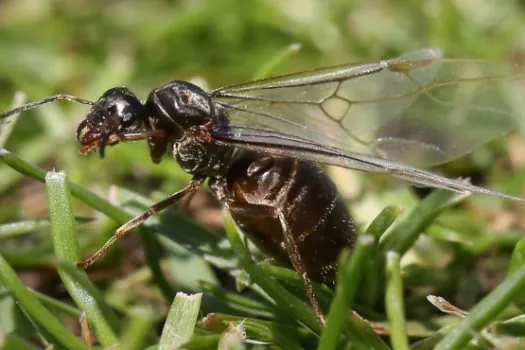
column 117, row 111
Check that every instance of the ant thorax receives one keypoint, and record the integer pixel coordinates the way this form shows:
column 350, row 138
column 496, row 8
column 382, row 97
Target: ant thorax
column 202, row 158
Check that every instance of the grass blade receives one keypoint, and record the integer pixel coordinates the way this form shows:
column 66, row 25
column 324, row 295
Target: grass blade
column 52, row 329
column 269, row 68
column 136, row 332
column 374, row 266
column 406, row 232
column 395, row 307
column 286, row 300
column 349, row 275
column 485, row 311
column 181, row 320
column 66, row 248
column 7, row 127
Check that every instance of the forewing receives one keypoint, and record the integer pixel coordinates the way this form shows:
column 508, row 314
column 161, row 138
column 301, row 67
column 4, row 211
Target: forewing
column 418, row 109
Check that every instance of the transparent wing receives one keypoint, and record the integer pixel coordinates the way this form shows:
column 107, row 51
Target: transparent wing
column 278, row 143
column 417, row 109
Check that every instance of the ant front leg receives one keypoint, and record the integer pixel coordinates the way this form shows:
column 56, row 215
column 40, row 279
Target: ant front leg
column 290, row 246
column 123, row 230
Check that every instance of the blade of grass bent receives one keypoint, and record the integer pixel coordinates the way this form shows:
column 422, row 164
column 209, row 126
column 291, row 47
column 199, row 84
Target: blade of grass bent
column 66, row 248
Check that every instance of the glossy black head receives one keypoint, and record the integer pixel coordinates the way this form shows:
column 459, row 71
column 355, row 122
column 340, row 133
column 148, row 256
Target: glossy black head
column 117, row 111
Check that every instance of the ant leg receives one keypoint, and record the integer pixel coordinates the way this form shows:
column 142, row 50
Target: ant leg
column 298, row 265
column 186, row 201
column 291, row 249
column 123, row 230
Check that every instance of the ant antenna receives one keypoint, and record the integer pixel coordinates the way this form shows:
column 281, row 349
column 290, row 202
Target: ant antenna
column 34, row 104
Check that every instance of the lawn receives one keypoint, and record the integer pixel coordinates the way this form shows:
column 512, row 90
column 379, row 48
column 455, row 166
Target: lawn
column 186, row 276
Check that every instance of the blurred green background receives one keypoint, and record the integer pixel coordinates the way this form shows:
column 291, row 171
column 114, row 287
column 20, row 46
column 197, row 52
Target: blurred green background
column 85, row 47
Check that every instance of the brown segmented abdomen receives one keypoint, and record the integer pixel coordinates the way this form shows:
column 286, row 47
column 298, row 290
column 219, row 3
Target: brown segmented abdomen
column 257, row 186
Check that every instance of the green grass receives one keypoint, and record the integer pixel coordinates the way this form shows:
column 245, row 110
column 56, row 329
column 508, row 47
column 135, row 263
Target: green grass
column 466, row 250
